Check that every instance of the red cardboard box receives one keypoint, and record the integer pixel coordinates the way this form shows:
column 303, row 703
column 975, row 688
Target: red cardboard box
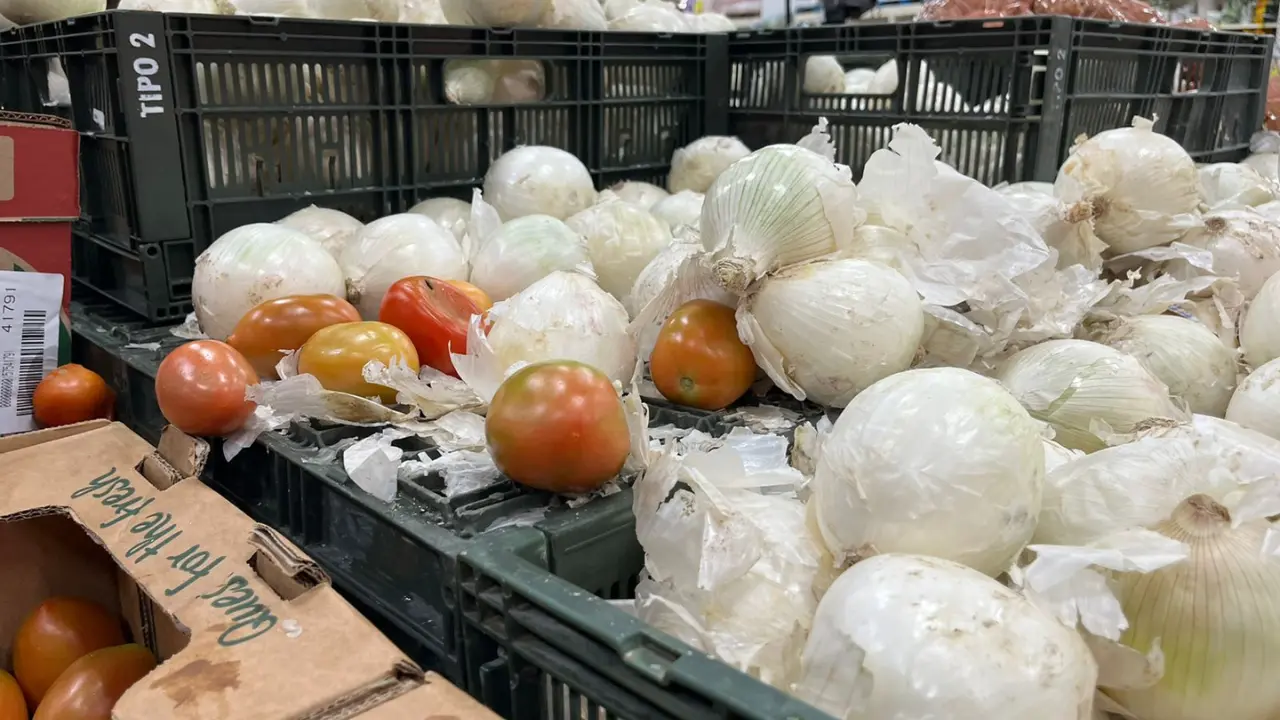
column 39, row 199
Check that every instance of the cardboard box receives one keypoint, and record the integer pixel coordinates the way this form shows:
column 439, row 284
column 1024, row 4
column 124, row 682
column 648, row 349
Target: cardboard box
column 39, row 200
column 247, row 627
column 437, row 699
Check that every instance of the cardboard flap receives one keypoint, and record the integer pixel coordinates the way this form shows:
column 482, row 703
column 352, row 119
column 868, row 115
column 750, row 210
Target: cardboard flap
column 186, row 454
column 283, row 566
column 437, row 699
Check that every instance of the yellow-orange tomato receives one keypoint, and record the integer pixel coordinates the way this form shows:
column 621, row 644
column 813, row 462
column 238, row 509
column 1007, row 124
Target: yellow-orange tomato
column 698, row 360
column 558, row 426
column 90, row 688
column 200, row 388
column 336, row 356
column 12, row 705
column 59, row 632
column 72, row 394
column 284, row 324
column 478, row 296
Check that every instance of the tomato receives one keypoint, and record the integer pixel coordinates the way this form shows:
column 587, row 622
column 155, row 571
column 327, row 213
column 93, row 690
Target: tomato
column 337, row 355
column 434, row 314
column 698, row 360
column 478, row 296
column 59, row 632
column 13, row 706
column 90, row 688
column 200, row 388
column 72, row 394
column 267, row 331
column 558, row 426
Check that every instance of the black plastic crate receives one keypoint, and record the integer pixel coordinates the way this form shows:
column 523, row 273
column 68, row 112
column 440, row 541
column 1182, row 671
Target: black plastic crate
column 192, row 125
column 540, row 648
column 1006, row 98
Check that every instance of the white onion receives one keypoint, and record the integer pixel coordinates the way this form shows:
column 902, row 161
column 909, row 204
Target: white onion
column 903, row 637
column 564, row 316
column 1265, row 164
column 1183, row 354
column 885, row 81
column 640, row 194
column 650, row 17
column 479, row 82
column 396, row 247
column 823, row 74
column 621, row 239
column 424, row 12
column 710, row 22
column 494, row 13
column 331, row 228
column 1143, row 185
column 827, row 330
column 776, row 207
column 1071, row 384
column 195, row 7
column 661, row 271
column 940, row 461
column 858, row 80
column 1137, row 484
column 696, row 165
column 524, row 251
column 1260, row 329
column 24, row 12
column 1213, row 615
column 1245, row 246
column 1228, row 184
column 538, row 180
column 449, row 213
column 1256, row 403
column 614, row 9
column 255, row 263
column 574, row 15
column 1030, row 186
column 683, row 209
column 1066, row 228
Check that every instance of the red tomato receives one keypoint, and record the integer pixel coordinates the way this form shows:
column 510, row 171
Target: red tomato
column 336, row 356
column 698, row 360
column 90, row 688
column 276, row 326
column 12, row 705
column 59, row 632
column 478, row 296
column 72, row 394
column 200, row 388
column 434, row 314
column 558, row 426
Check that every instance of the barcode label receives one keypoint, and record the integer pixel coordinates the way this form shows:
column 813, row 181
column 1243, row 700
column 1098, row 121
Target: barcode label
column 29, row 305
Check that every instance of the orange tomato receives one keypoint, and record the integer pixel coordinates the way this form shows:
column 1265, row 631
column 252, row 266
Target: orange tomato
column 558, row 426
column 698, row 359
column 478, row 296
column 13, row 706
column 59, row 632
column 434, row 315
column 200, row 388
column 72, row 394
column 284, row 324
column 90, row 688
column 336, row 356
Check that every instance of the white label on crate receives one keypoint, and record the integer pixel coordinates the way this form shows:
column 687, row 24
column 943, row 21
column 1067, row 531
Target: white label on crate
column 150, row 95
column 29, row 305
column 99, row 120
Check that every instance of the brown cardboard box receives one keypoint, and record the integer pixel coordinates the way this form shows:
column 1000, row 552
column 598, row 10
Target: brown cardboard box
column 437, row 699
column 247, row 627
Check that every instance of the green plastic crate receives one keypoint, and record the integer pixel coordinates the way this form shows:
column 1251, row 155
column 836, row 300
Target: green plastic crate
column 540, row 648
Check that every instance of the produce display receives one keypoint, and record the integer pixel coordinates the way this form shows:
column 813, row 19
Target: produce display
column 1038, row 453
column 70, row 661
column 979, row 453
